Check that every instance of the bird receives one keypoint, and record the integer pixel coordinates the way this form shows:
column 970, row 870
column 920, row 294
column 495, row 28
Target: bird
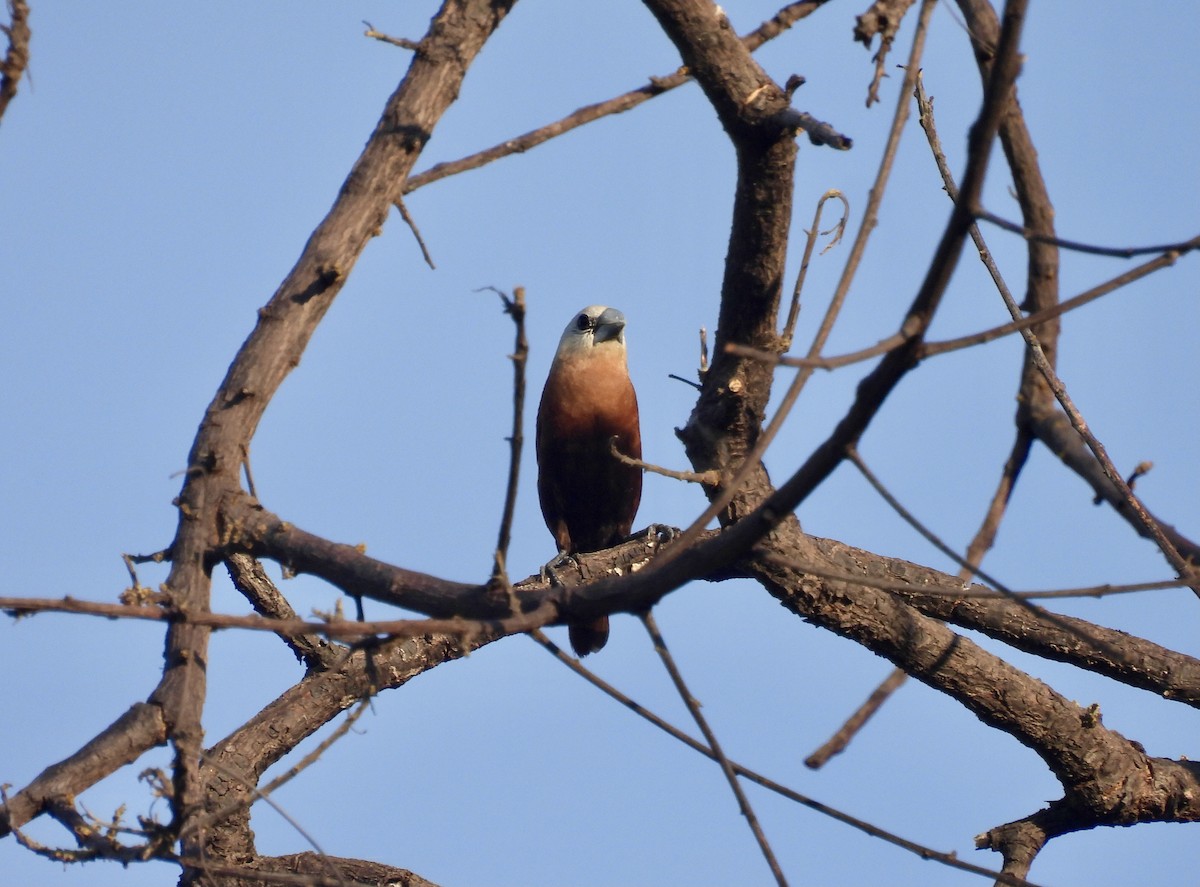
column 589, row 498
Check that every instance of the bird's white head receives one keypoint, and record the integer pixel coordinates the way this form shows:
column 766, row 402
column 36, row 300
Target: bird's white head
column 593, row 330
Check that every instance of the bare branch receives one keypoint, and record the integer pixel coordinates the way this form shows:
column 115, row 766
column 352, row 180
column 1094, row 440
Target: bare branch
column 837, row 743
column 274, row 347
column 883, row 18
column 810, row 243
column 693, row 707
column 1106, row 778
column 514, row 307
column 412, row 225
column 1133, row 508
column 878, row 384
column 768, row 30
column 402, row 42
column 1119, row 252
column 1164, row 261
column 139, row 729
column 16, row 60
column 252, row 581
column 694, row 477
column 948, row 859
column 1115, row 654
column 232, row 767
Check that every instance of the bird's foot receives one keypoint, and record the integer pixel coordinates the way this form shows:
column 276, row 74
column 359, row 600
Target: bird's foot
column 560, row 560
column 658, row 535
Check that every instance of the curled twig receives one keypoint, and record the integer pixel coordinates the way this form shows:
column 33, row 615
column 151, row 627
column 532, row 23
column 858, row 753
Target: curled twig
column 810, row 243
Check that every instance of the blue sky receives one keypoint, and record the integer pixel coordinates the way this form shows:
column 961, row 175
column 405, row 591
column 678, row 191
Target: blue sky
column 162, row 169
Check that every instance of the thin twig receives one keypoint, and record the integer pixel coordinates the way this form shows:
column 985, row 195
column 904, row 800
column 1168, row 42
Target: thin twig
column 137, row 586
column 246, row 470
column 929, row 349
column 156, row 557
column 883, row 346
column 768, row 30
column 709, row 478
column 979, row 546
column 412, row 225
column 853, row 456
column 967, row 569
column 1118, row 252
column 544, row 614
column 975, row 552
column 836, row 744
column 948, row 859
column 1142, row 468
column 985, row 536
column 679, row 378
column 1141, row 518
column 514, row 307
column 660, row 647
column 932, row 349
column 883, row 18
column 402, row 42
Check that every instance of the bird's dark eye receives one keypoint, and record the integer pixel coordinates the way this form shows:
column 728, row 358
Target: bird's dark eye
column 583, row 322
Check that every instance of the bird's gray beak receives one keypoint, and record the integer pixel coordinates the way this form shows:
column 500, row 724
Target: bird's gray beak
column 609, row 325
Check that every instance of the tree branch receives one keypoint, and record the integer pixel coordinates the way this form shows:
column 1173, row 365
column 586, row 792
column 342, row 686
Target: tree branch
column 16, row 59
column 1106, row 778
column 274, row 347
column 136, row 731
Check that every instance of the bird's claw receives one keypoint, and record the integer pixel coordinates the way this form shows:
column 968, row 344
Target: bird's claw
column 658, row 535
column 561, row 559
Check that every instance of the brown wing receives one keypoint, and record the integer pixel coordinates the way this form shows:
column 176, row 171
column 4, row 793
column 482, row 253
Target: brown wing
column 589, row 499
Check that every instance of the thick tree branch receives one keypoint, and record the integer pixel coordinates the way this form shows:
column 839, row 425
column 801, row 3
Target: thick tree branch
column 750, row 467
column 318, row 865
column 136, row 731
column 1114, row 654
column 1107, row 779
column 275, row 345
column 233, row 767
column 598, row 588
column 728, row 416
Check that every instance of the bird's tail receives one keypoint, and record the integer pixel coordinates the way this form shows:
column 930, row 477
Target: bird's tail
column 588, row 637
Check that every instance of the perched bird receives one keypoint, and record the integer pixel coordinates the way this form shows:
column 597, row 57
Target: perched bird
column 589, row 497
